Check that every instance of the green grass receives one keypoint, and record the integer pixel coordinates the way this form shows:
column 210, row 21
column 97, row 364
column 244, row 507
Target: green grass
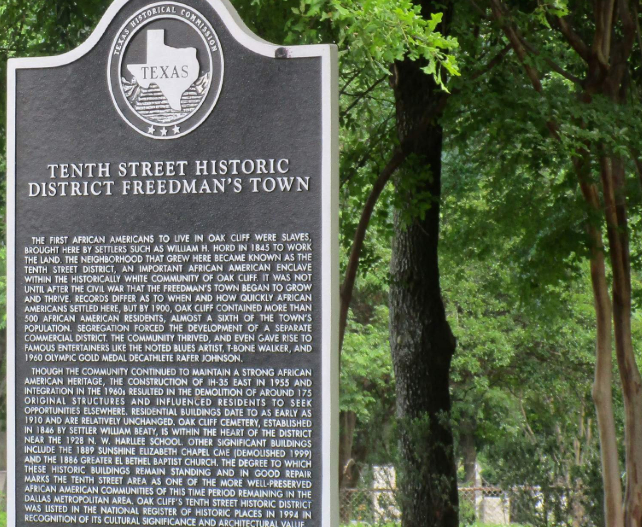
column 3, row 519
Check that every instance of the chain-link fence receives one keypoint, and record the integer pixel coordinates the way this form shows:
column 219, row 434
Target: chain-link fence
column 488, row 505
column 370, row 506
column 479, row 506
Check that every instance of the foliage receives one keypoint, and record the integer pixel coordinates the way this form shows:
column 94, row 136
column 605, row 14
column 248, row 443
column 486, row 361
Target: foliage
column 519, row 301
column 371, row 33
column 367, row 380
column 366, row 373
column 385, row 34
column 34, row 28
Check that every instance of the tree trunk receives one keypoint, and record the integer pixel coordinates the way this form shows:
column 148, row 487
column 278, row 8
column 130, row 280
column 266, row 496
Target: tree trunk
column 348, row 422
column 612, row 175
column 421, row 342
column 468, row 451
column 602, row 384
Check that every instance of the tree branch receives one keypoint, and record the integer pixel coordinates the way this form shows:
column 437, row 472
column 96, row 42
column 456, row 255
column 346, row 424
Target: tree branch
column 637, row 24
column 361, row 95
column 357, row 245
column 521, row 46
column 629, row 30
column 380, row 135
column 609, row 7
column 509, row 30
column 531, row 434
column 349, row 81
column 554, row 66
column 574, row 40
column 492, row 63
column 478, row 9
column 601, row 47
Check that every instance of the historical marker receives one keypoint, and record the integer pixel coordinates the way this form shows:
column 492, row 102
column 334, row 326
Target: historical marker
column 173, row 276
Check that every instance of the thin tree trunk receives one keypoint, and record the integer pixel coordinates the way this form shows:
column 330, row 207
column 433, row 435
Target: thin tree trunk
column 468, row 451
column 359, row 236
column 602, row 384
column 348, row 421
column 612, row 175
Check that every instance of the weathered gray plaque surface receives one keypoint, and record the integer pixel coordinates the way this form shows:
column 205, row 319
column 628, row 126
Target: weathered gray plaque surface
column 172, row 260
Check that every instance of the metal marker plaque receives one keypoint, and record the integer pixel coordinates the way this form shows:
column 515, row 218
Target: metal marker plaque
column 172, row 266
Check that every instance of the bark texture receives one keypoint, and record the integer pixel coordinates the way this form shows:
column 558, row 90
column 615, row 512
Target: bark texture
column 468, row 451
column 603, row 381
column 348, row 422
column 422, row 344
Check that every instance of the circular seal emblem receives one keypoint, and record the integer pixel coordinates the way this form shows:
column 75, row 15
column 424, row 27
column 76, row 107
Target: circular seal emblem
column 165, row 70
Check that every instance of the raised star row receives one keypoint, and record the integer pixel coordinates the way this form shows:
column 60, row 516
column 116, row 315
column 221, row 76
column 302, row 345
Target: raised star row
column 163, row 131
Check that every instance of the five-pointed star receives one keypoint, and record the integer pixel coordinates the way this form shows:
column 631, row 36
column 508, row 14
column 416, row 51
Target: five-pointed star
column 177, row 130
column 151, row 130
column 163, row 131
